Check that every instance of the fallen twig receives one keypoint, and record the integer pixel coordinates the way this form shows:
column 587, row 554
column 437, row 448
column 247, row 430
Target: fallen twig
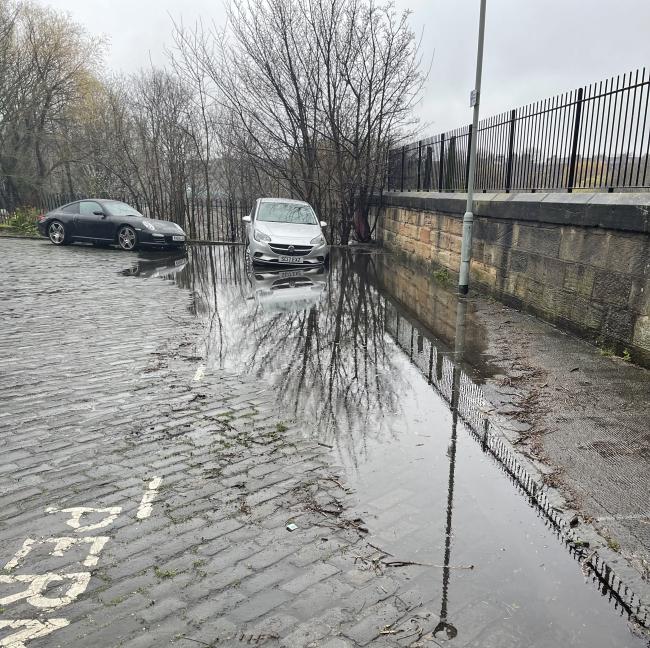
column 379, row 549
column 406, row 563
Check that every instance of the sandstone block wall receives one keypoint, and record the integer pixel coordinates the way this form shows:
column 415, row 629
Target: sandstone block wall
column 574, row 267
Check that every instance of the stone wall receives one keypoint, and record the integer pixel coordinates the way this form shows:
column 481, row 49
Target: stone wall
column 422, row 299
column 581, row 261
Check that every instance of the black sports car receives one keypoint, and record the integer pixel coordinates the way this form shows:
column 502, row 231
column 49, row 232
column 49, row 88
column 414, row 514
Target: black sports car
column 107, row 222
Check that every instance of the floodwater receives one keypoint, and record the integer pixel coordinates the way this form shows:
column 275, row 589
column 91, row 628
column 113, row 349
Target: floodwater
column 392, row 383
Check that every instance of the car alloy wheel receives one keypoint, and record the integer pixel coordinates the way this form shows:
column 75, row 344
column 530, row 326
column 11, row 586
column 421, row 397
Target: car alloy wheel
column 126, row 238
column 56, row 232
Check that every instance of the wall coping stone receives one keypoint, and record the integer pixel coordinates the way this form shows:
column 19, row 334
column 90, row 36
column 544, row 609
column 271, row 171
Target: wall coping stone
column 626, row 212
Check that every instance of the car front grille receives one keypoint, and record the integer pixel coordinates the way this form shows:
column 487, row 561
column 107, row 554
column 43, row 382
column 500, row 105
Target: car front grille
column 298, row 250
column 291, row 282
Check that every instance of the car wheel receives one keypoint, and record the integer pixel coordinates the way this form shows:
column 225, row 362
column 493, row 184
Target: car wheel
column 56, row 233
column 127, row 238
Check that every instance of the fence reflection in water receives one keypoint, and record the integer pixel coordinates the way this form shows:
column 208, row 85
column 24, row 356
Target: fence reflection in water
column 466, row 400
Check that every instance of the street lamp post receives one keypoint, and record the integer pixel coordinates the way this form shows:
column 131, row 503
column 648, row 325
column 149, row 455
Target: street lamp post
column 468, row 219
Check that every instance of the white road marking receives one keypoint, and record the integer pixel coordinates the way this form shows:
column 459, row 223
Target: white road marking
column 77, row 511
column 60, row 545
column 200, row 372
column 38, row 583
column 20, row 554
column 32, row 630
column 145, row 508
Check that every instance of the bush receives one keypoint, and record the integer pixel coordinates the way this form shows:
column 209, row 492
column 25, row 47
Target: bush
column 442, row 276
column 22, row 221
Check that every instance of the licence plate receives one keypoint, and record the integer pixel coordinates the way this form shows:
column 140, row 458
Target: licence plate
column 290, row 259
column 287, row 274
column 178, row 238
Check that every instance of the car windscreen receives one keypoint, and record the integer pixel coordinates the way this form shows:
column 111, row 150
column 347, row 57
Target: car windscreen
column 122, row 209
column 286, row 213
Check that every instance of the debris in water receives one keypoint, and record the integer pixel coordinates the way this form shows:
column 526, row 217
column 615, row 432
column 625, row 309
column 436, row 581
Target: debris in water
column 291, row 526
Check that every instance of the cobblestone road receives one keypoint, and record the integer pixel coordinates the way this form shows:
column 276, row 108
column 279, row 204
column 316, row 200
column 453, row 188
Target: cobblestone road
column 144, row 501
column 145, row 495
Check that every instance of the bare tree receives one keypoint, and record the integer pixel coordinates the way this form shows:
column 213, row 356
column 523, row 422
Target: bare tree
column 48, row 63
column 300, row 98
column 316, row 92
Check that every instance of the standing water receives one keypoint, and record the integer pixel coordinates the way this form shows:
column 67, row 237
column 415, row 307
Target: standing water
column 403, row 410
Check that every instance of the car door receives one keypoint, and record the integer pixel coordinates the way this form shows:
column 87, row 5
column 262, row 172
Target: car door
column 68, row 216
column 92, row 222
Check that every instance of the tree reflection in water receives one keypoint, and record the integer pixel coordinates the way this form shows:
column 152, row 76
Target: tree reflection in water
column 323, row 346
column 333, row 359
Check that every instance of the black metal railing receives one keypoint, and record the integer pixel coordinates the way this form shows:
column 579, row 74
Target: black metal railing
column 594, row 138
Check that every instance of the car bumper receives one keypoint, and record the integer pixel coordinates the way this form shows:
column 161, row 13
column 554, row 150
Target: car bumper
column 160, row 239
column 261, row 253
column 42, row 228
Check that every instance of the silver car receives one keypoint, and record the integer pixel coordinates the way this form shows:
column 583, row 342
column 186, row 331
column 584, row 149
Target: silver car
column 283, row 231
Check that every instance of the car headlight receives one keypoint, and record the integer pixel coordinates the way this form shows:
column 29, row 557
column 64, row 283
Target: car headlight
column 149, row 225
column 260, row 236
column 319, row 240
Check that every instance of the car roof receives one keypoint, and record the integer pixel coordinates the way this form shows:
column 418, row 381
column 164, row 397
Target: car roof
column 97, row 200
column 290, row 201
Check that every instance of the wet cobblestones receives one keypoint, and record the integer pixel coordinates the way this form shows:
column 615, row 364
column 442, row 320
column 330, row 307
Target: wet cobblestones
column 98, row 398
column 105, row 391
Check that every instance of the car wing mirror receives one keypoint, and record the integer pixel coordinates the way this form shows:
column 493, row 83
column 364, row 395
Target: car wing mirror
column 323, row 224
column 246, row 219
column 99, row 213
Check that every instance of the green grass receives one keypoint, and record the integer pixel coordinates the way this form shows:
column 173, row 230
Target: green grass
column 609, row 352
column 164, row 573
column 442, row 276
column 22, row 221
column 117, row 600
column 280, row 427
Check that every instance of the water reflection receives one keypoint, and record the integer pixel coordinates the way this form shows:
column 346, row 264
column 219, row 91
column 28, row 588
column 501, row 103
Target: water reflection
column 318, row 335
column 157, row 265
column 449, row 375
column 444, row 625
column 340, row 348
column 286, row 291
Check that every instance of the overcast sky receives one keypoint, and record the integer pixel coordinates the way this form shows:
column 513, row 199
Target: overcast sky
column 533, row 48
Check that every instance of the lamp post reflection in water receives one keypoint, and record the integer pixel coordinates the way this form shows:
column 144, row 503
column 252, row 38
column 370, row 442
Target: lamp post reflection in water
column 445, row 629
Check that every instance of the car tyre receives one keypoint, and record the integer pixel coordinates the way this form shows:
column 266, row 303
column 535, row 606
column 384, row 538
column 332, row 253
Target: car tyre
column 127, row 239
column 57, row 234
